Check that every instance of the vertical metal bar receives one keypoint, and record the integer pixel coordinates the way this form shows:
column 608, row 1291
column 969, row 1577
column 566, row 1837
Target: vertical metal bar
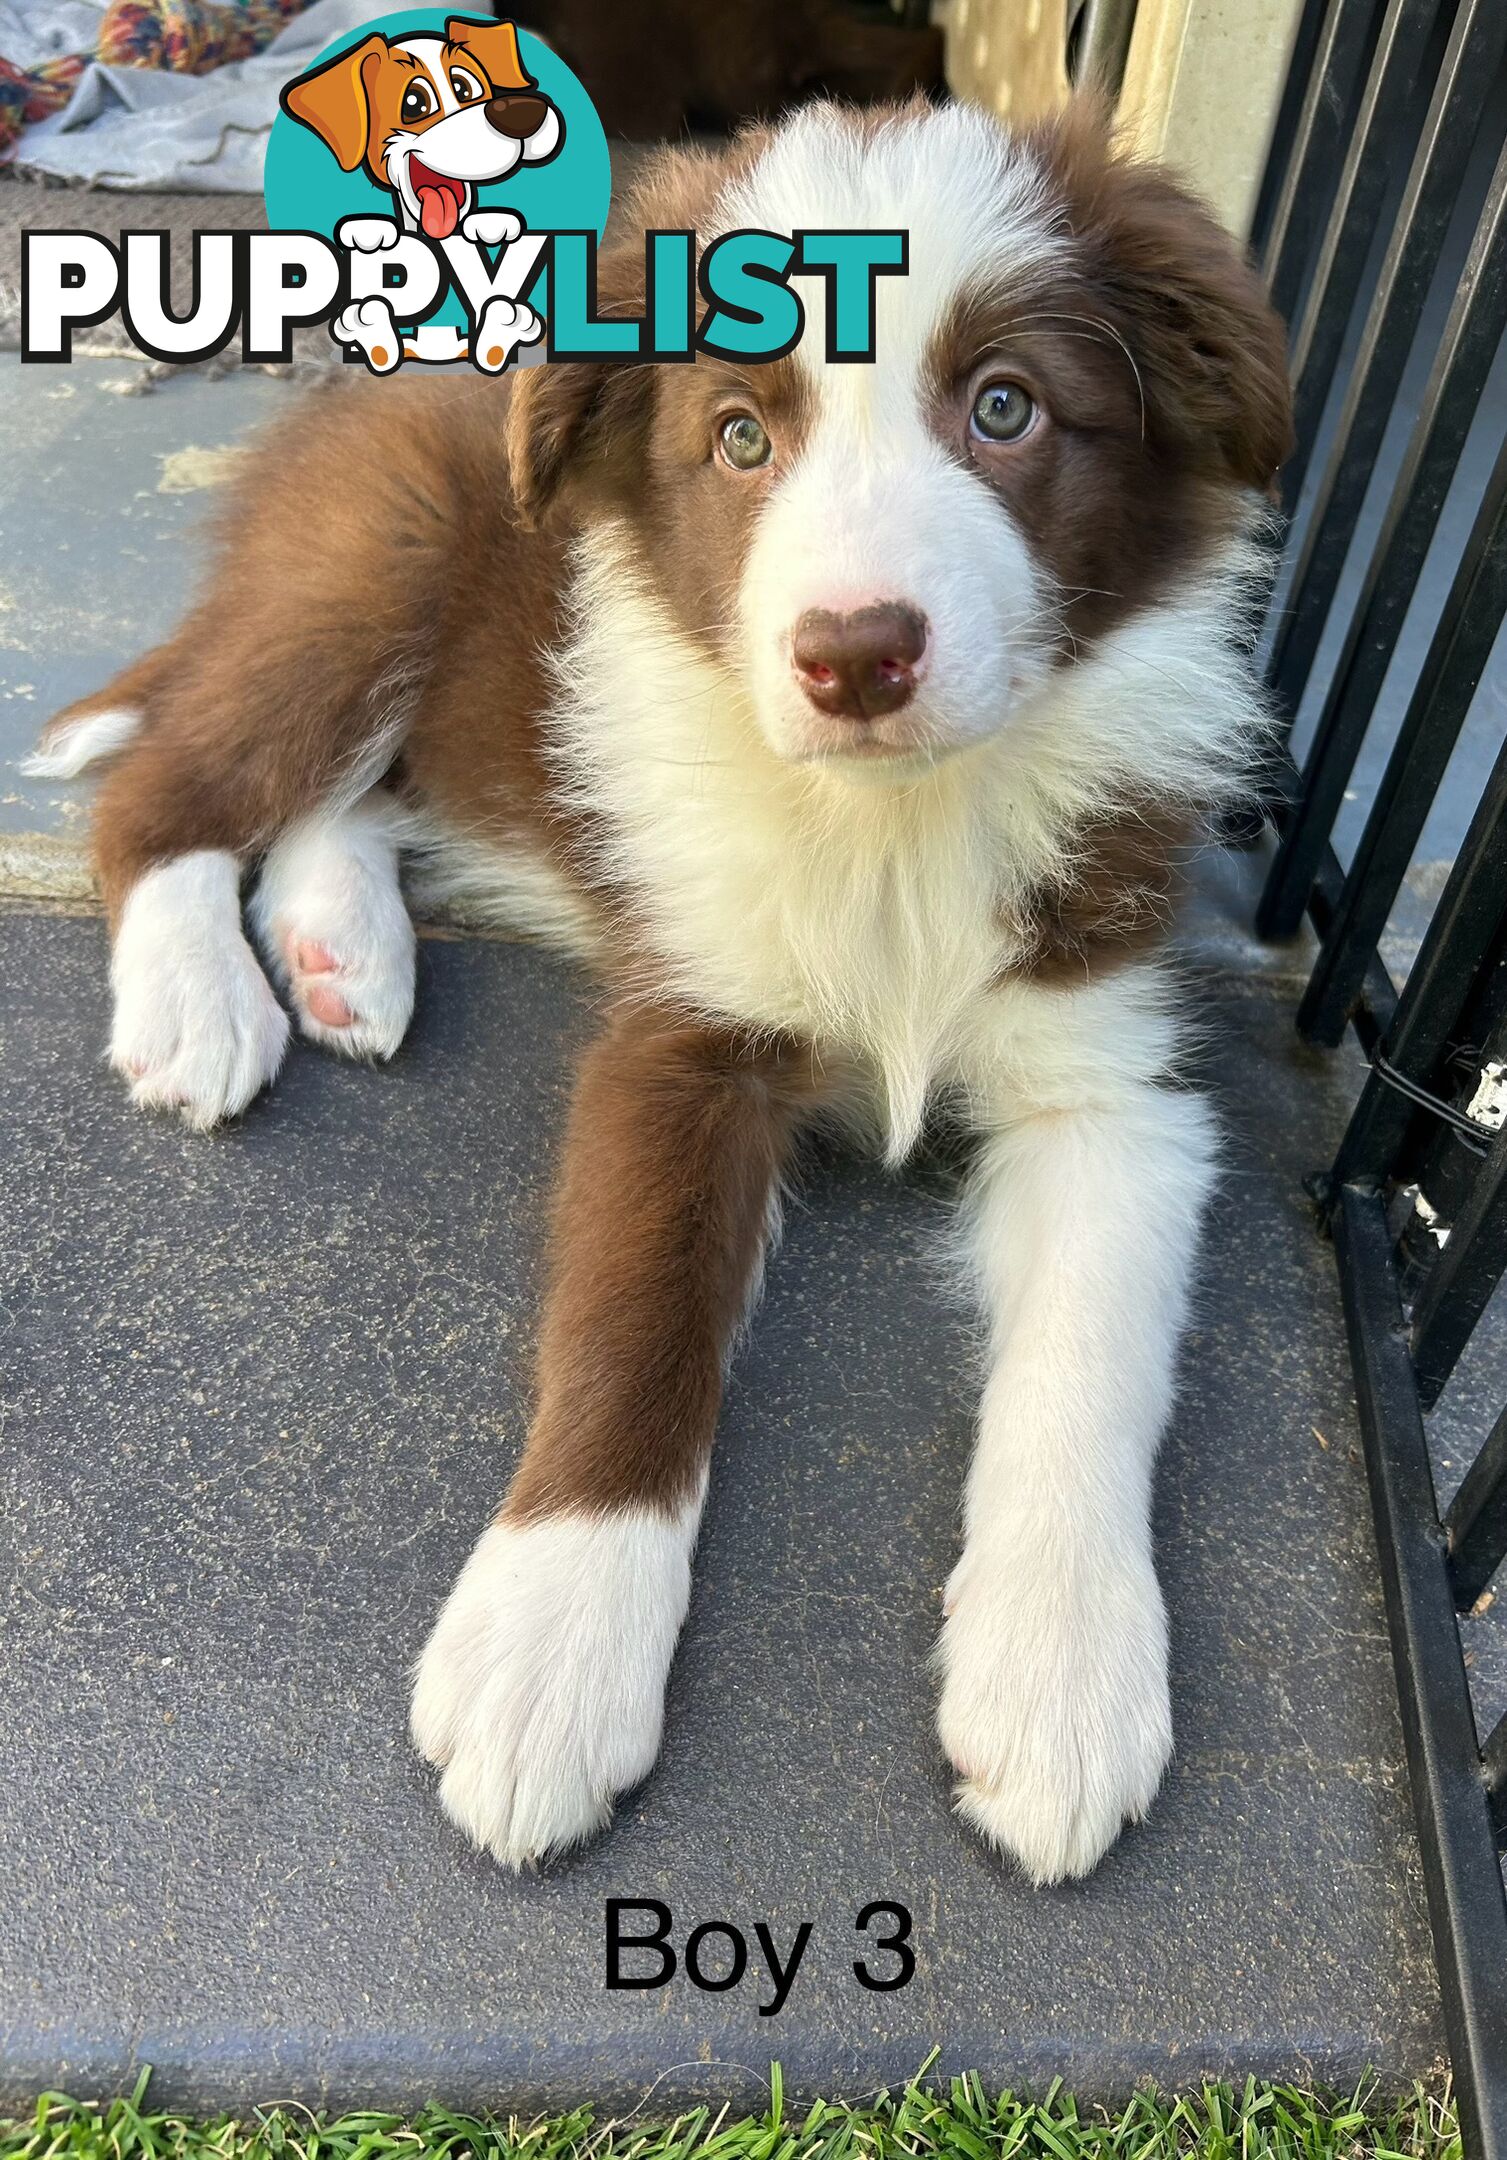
column 1457, row 1287
column 1467, row 1908
column 1397, row 66
column 1279, row 151
column 1467, row 348
column 1377, row 1008
column 1465, row 927
column 1315, row 155
column 1452, row 669
column 1475, row 1521
column 1476, row 47
column 1101, row 44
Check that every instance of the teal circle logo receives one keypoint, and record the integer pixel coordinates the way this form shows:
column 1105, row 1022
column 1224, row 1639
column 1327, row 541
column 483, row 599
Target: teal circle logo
column 308, row 190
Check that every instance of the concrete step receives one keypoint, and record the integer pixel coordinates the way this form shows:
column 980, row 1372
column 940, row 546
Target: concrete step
column 260, row 1392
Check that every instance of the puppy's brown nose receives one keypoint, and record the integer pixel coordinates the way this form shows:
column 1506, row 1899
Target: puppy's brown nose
column 516, row 114
column 859, row 666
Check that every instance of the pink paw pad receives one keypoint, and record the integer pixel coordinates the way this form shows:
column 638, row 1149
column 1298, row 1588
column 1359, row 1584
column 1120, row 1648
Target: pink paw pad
column 320, row 1000
column 327, row 1006
column 312, row 959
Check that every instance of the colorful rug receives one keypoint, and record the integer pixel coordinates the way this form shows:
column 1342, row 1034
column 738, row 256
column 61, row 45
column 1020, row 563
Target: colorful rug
column 187, row 37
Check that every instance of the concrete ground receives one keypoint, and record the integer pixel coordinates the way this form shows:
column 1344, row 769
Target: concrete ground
column 260, row 1391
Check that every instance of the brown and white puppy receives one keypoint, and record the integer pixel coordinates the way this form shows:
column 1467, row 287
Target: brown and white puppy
column 853, row 722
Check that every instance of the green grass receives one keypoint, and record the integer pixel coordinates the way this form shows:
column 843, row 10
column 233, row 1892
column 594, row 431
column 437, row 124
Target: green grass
column 1259, row 2122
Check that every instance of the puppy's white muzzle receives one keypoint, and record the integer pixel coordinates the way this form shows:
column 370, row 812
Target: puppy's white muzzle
column 904, row 533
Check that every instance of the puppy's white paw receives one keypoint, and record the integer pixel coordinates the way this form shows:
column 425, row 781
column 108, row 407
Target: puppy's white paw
column 1055, row 1706
column 368, row 235
column 197, row 1028
column 541, row 1689
column 491, row 228
column 330, row 916
column 370, row 325
column 504, row 326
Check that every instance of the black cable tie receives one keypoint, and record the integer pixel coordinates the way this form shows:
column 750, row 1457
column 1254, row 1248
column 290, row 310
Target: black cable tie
column 1475, row 1136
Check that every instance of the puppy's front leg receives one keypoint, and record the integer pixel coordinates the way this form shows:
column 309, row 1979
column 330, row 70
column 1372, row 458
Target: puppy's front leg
column 541, row 1689
column 1055, row 1707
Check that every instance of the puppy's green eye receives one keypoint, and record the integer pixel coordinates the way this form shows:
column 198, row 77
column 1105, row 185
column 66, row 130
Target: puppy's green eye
column 1002, row 413
column 745, row 445
column 418, row 102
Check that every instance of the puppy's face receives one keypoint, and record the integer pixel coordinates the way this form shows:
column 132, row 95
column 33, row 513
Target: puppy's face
column 1077, row 386
column 431, row 117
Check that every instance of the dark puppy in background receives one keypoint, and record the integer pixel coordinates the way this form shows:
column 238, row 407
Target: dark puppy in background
column 657, row 67
column 851, row 722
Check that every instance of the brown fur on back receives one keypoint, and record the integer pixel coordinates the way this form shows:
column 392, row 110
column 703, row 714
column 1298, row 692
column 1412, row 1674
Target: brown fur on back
column 372, row 583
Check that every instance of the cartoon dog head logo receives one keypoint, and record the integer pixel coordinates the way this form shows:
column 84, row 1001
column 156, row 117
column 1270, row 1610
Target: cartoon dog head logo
column 432, row 118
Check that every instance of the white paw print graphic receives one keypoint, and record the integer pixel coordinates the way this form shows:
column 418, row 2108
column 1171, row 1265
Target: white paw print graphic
column 370, row 325
column 504, row 326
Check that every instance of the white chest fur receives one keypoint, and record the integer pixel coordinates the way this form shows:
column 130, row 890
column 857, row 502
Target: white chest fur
column 871, row 912
column 865, row 911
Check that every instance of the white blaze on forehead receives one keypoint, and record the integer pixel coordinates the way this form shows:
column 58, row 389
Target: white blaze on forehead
column 430, row 54
column 975, row 202
column 872, row 506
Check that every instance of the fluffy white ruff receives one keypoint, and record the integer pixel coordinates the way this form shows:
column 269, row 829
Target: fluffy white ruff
column 71, row 750
column 541, row 1689
column 332, row 880
column 197, row 1028
column 1055, row 1706
column 866, row 912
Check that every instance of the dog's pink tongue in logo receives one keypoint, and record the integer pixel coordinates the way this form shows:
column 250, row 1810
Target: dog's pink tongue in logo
column 441, row 199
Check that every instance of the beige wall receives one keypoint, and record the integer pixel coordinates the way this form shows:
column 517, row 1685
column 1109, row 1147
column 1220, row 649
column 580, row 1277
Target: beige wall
column 1201, row 90
column 1007, row 54
column 1201, row 84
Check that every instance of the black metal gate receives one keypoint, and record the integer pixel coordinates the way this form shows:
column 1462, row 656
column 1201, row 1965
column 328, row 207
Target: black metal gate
column 1382, row 227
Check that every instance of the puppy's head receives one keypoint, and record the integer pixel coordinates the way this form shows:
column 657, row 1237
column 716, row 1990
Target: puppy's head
column 430, row 117
column 1078, row 388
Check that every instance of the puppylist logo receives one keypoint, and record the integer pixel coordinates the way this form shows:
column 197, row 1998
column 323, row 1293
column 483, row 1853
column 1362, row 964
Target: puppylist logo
column 437, row 187
column 434, row 115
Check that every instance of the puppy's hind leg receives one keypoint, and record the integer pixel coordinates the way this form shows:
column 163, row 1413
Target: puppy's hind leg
column 329, row 915
column 290, row 687
column 197, row 1028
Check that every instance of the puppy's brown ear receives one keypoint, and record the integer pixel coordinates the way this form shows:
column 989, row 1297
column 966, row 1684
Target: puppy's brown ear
column 586, row 423
column 1207, row 343
column 334, row 100
column 578, row 423
column 495, row 45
